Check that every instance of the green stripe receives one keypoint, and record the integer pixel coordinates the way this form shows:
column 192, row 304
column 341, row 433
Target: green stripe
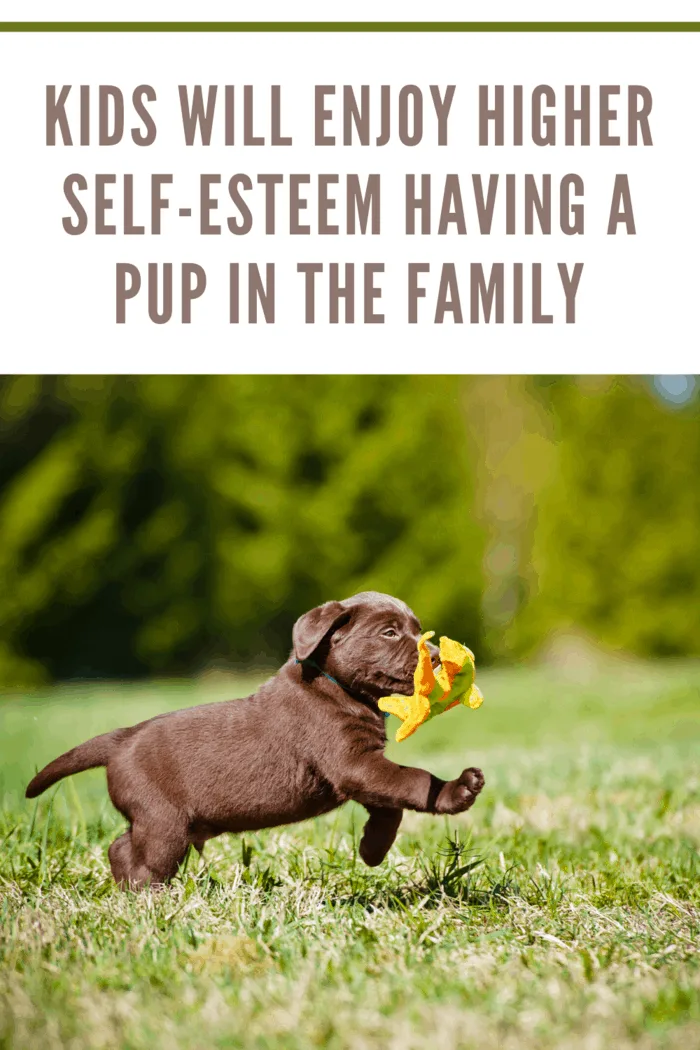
column 349, row 27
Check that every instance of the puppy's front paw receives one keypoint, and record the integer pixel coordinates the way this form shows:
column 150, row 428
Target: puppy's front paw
column 459, row 795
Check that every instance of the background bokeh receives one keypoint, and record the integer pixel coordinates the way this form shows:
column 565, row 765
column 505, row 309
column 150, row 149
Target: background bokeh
column 164, row 525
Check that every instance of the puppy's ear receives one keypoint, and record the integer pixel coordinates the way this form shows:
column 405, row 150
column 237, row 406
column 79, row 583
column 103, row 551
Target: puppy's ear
column 311, row 628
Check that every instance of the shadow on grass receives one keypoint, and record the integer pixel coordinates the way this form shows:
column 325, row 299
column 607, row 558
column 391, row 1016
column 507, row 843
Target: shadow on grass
column 455, row 873
column 38, row 855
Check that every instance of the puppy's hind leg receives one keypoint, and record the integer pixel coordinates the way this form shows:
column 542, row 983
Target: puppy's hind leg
column 379, row 834
column 120, row 859
column 158, row 845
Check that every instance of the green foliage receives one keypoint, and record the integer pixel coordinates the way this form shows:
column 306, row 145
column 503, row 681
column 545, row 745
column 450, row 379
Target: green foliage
column 617, row 541
column 161, row 524
column 158, row 524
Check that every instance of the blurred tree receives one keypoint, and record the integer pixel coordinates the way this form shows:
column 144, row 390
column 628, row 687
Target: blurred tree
column 159, row 524
column 515, row 459
column 156, row 524
column 617, row 536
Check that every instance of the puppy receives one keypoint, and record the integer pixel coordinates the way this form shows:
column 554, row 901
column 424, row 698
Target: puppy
column 310, row 739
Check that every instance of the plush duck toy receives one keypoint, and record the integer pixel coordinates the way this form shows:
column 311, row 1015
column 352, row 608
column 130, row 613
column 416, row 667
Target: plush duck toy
column 435, row 691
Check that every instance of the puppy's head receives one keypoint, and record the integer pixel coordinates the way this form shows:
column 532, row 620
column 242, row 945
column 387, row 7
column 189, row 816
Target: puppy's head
column 367, row 643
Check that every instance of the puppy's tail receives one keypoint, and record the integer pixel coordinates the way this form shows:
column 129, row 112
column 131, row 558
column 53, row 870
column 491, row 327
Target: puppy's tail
column 95, row 752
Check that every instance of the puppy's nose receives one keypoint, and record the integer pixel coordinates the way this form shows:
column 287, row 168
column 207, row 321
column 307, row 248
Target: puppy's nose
column 434, row 654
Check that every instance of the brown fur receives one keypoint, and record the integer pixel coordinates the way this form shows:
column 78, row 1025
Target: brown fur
column 302, row 745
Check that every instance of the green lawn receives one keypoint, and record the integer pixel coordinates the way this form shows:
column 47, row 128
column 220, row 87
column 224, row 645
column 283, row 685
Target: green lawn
column 561, row 912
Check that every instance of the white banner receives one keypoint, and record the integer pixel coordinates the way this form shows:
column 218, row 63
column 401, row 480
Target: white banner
column 343, row 202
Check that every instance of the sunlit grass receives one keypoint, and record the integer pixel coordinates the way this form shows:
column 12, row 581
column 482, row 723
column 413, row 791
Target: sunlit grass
column 561, row 912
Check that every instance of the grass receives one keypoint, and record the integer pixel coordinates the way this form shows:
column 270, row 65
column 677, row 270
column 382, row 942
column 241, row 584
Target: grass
column 561, row 912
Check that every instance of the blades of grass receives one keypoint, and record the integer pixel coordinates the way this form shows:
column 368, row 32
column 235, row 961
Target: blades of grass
column 45, row 837
column 9, row 835
column 183, row 869
column 459, row 873
column 32, row 825
column 75, row 799
column 66, row 856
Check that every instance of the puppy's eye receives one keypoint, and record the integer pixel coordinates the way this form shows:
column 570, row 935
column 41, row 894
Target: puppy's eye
column 390, row 633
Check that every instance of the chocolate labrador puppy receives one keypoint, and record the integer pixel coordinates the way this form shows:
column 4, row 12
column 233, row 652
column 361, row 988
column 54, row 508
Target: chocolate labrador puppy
column 311, row 738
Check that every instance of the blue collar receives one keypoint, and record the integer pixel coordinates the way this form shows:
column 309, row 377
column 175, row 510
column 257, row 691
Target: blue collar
column 312, row 663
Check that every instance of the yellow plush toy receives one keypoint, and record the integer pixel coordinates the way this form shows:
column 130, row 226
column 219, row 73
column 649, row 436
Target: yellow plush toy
column 435, row 692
